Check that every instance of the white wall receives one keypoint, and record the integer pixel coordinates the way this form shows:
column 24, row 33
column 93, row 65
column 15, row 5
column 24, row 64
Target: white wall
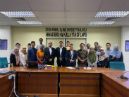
column 125, row 36
column 5, row 33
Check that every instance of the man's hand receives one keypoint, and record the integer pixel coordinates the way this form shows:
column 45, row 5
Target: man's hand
column 71, row 61
column 99, row 64
column 82, row 61
column 50, row 60
column 61, row 59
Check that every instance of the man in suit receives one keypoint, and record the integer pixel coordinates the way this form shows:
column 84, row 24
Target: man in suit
column 71, row 56
column 49, row 54
column 61, row 53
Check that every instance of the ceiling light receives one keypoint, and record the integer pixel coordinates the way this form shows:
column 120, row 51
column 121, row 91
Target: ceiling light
column 101, row 22
column 29, row 22
column 112, row 14
column 18, row 13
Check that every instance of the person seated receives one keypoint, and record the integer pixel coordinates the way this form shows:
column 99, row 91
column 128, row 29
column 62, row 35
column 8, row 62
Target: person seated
column 32, row 52
column 15, row 58
column 92, row 58
column 99, row 48
column 71, row 56
column 23, row 56
column 49, row 54
column 18, row 46
column 40, row 55
column 116, row 55
column 103, row 57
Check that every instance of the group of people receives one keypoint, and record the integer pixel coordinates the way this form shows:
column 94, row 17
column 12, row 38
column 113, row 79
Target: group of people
column 66, row 56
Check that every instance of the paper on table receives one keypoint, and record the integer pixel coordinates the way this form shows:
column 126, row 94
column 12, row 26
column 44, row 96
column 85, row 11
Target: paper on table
column 87, row 68
column 70, row 67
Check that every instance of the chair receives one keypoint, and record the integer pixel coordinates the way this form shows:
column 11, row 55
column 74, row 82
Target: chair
column 117, row 65
column 3, row 62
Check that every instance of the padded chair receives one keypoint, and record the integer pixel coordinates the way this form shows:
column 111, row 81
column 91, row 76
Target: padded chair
column 3, row 62
column 117, row 65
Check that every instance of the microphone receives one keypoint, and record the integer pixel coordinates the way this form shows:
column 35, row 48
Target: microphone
column 78, row 68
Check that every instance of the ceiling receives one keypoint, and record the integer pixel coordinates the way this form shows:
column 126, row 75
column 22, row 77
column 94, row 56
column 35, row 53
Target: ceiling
column 64, row 13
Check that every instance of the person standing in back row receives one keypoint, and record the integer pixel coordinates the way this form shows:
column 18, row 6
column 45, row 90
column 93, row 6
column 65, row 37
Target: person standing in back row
column 61, row 53
column 41, row 43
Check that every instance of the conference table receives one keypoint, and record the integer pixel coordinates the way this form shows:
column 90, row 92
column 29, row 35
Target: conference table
column 66, row 82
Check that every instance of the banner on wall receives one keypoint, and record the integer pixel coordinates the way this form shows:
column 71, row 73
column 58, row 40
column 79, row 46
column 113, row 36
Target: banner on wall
column 66, row 32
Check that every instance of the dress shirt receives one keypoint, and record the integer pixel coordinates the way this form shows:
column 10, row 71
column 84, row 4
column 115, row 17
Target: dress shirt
column 108, row 52
column 61, row 51
column 50, row 50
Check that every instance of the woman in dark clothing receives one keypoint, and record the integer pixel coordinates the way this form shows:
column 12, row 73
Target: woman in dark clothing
column 102, row 62
column 15, row 58
column 116, row 55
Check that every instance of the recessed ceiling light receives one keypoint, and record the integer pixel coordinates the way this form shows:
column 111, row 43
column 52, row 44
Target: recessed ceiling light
column 18, row 13
column 112, row 14
column 101, row 22
column 29, row 22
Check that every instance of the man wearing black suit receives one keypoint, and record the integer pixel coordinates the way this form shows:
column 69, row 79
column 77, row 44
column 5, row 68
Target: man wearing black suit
column 71, row 56
column 61, row 53
column 49, row 54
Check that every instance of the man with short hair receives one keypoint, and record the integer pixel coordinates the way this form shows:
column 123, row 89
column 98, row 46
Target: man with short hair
column 61, row 53
column 96, row 46
column 88, row 47
column 71, row 56
column 108, row 52
column 41, row 43
column 82, row 56
column 49, row 54
column 67, row 45
column 18, row 45
column 32, row 52
column 40, row 55
column 29, row 46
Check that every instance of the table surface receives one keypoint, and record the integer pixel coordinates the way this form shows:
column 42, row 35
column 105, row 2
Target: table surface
column 110, row 73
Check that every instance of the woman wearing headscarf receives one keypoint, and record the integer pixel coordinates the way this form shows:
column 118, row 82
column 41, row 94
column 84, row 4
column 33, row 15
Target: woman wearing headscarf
column 102, row 62
column 116, row 54
column 15, row 58
column 92, row 58
column 23, row 56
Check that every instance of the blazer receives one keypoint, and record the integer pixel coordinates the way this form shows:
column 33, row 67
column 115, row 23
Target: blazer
column 48, row 56
column 68, row 57
column 59, row 63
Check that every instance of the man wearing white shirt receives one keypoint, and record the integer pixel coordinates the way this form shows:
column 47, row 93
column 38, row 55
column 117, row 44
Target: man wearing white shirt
column 49, row 54
column 61, row 53
column 41, row 43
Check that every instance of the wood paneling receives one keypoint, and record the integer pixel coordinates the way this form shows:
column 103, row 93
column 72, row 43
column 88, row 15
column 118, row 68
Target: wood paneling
column 112, row 89
column 79, row 83
column 6, row 86
column 46, row 83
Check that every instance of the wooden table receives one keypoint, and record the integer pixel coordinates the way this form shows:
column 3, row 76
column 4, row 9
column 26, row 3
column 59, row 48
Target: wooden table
column 64, row 82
